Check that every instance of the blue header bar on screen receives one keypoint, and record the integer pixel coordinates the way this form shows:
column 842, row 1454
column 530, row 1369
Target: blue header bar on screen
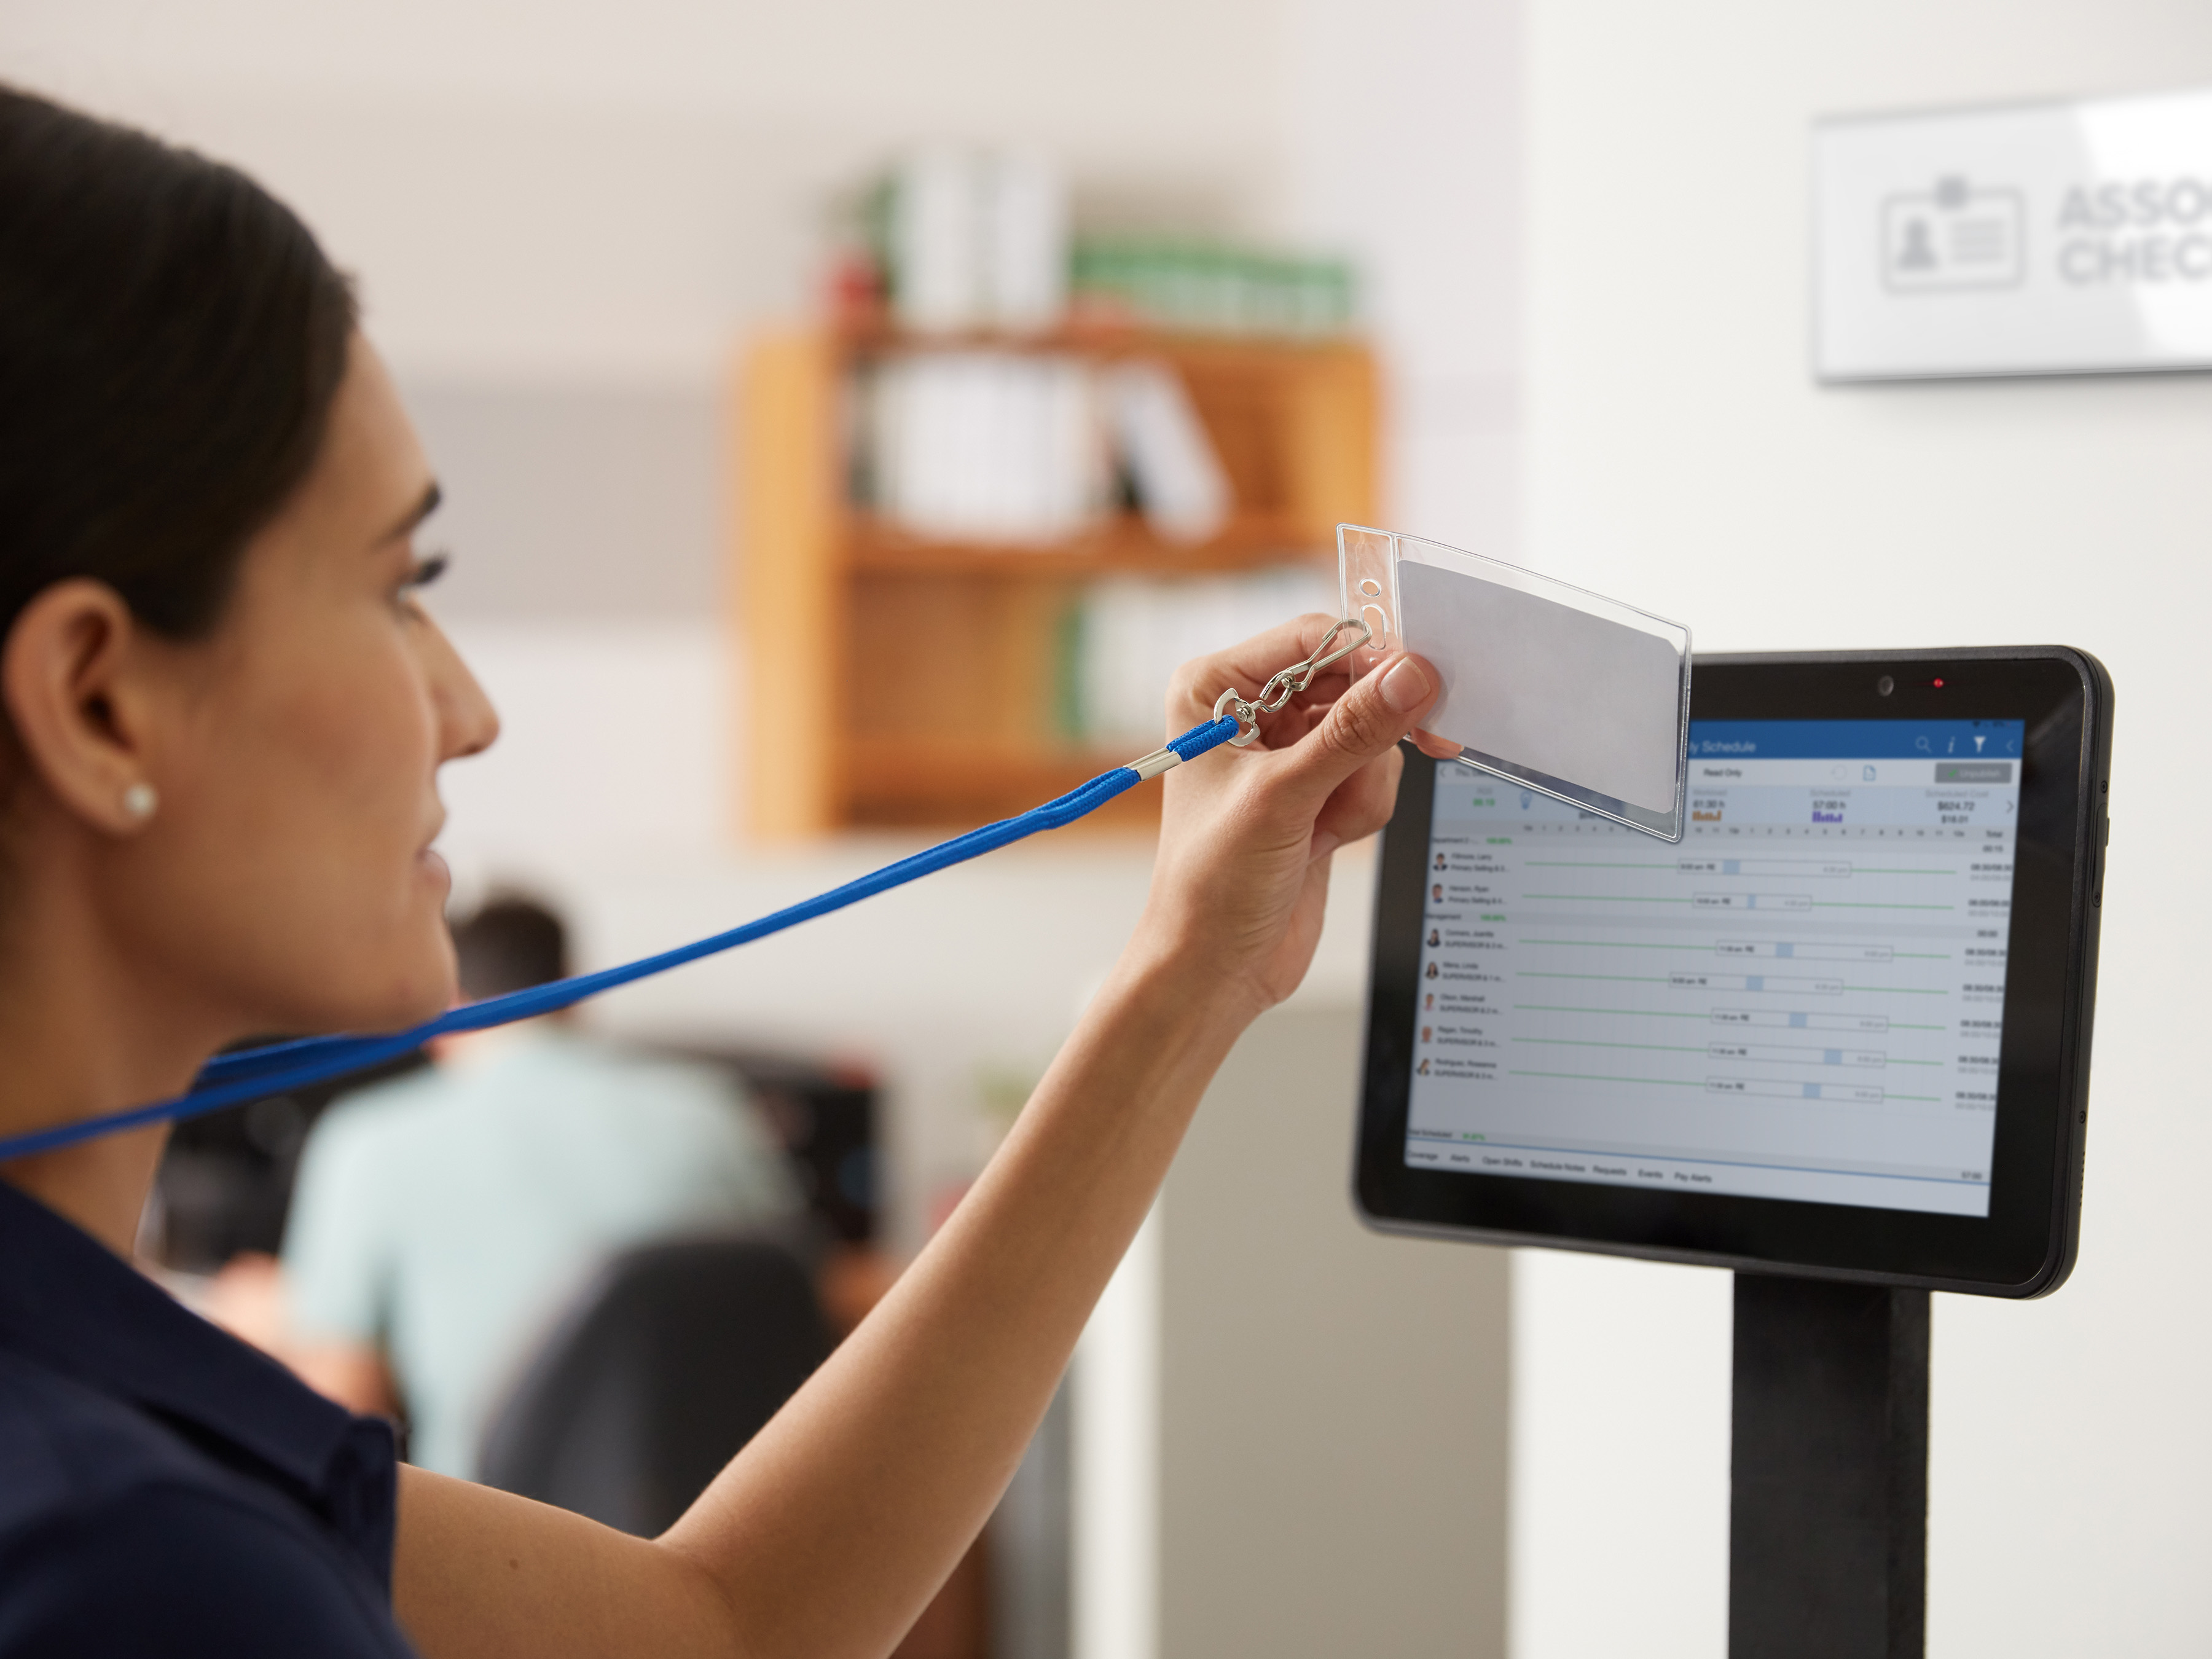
column 1853, row 739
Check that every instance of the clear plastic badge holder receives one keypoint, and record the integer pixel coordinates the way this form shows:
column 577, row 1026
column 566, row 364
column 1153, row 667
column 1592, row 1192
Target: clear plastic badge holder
column 1557, row 690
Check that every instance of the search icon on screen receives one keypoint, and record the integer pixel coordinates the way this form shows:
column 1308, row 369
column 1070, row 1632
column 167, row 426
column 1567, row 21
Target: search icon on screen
column 1921, row 743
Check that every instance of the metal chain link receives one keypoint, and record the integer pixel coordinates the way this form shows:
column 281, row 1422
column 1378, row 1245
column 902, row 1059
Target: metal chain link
column 1283, row 686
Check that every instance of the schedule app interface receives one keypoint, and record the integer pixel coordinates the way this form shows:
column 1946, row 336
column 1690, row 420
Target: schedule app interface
column 1804, row 1000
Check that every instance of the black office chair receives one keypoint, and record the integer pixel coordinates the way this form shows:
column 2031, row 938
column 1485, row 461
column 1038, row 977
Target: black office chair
column 673, row 1358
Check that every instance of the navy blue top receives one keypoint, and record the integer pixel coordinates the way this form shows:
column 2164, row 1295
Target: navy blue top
column 166, row 1490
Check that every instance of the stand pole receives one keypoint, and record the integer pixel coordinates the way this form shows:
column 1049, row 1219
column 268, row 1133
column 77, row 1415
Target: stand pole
column 1828, row 1517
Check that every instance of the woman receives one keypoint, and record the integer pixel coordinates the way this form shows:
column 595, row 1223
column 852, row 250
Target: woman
column 225, row 710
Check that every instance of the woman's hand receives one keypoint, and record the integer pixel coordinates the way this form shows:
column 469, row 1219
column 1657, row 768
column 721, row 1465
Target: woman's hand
column 1246, row 833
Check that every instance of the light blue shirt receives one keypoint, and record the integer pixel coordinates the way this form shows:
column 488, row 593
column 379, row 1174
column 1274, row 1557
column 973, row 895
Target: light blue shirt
column 447, row 1217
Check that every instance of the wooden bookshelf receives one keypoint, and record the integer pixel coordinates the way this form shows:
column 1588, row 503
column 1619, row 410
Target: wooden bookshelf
column 892, row 680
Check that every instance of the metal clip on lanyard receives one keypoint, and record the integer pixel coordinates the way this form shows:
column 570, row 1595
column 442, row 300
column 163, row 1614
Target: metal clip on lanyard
column 250, row 1073
column 1282, row 687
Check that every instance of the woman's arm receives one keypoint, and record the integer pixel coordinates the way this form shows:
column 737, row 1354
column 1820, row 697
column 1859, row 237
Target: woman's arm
column 829, row 1532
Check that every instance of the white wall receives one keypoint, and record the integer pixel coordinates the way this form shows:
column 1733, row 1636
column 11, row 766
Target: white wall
column 1290, row 1432
column 1404, row 148
column 1681, row 458
column 1333, row 1404
column 574, row 187
column 1114, row 1528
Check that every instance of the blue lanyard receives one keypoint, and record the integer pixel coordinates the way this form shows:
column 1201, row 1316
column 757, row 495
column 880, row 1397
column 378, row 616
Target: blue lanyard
column 253, row 1072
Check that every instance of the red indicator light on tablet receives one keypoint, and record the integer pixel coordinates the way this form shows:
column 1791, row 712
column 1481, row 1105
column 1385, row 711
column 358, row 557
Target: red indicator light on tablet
column 1939, row 685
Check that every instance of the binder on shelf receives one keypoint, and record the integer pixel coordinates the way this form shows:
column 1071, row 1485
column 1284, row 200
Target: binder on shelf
column 1180, row 486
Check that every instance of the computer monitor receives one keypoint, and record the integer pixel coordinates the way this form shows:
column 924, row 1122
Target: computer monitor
column 1842, row 1029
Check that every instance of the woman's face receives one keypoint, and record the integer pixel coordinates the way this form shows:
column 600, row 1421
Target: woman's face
column 286, row 876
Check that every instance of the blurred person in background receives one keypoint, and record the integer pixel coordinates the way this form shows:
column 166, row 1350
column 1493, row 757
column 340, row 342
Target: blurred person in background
column 441, row 1220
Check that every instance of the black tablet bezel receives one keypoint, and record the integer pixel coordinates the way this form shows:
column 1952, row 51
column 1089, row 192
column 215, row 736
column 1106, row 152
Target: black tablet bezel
column 2026, row 1246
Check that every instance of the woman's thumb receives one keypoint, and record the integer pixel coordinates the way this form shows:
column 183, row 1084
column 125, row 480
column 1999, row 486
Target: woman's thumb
column 1364, row 723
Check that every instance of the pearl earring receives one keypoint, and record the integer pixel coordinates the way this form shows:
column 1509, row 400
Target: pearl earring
column 139, row 801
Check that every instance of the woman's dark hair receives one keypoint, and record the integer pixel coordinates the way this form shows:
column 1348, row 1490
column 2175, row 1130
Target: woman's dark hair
column 171, row 338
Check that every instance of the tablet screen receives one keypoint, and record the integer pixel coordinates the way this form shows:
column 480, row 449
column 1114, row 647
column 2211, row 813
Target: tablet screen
column 1803, row 1000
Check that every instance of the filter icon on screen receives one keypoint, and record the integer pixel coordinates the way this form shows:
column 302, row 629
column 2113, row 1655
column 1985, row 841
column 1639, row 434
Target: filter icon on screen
column 1957, row 236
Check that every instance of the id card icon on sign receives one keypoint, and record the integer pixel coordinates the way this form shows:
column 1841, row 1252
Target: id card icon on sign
column 1954, row 236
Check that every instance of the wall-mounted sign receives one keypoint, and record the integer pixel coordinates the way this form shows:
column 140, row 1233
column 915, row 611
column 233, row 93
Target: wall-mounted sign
column 2045, row 239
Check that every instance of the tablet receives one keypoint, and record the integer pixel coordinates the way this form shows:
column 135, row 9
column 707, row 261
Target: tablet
column 1842, row 1030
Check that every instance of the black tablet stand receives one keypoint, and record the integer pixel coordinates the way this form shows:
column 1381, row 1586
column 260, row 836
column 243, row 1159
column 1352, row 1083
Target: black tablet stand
column 1828, row 1500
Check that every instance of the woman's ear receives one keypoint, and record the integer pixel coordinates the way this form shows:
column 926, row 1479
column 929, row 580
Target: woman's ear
column 82, row 717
